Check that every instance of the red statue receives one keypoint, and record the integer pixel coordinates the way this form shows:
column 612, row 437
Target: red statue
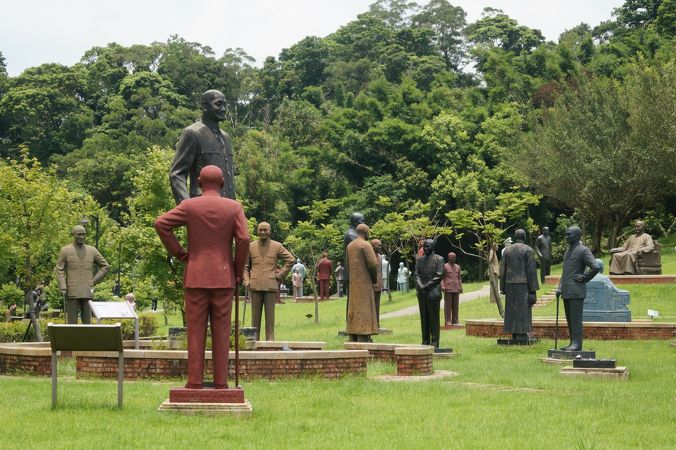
column 211, row 275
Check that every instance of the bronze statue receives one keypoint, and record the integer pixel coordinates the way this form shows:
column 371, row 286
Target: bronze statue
column 361, row 309
column 356, row 218
column 519, row 283
column 429, row 270
column 572, row 286
column 623, row 259
column 75, row 275
column 451, row 284
column 262, row 276
column 201, row 144
column 543, row 248
column 215, row 227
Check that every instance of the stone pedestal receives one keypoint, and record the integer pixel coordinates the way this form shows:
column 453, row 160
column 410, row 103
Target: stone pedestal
column 582, row 363
column 456, row 326
column 570, row 354
column 621, row 373
column 529, row 341
column 207, row 401
column 185, row 395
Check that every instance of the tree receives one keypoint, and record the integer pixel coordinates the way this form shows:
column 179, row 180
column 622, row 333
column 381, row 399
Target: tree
column 148, row 260
column 605, row 149
column 43, row 109
column 448, row 22
column 487, row 226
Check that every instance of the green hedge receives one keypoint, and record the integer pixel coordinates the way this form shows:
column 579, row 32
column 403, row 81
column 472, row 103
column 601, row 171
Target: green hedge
column 14, row 331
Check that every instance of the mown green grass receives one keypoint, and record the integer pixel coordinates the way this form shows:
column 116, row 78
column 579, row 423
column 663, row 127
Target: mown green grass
column 501, row 398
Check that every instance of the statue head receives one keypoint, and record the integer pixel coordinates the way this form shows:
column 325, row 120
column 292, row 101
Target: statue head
column 263, row 231
column 356, row 218
column 79, row 234
column 363, row 230
column 451, row 257
column 211, row 178
column 545, row 231
column 325, row 254
column 377, row 245
column 600, row 263
column 507, row 242
column 428, row 246
column 520, row 235
column 401, row 265
column 298, row 261
column 339, row 264
column 639, row 227
column 213, row 105
column 573, row 234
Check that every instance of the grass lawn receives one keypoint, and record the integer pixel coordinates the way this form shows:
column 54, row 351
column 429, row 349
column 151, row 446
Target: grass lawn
column 502, row 398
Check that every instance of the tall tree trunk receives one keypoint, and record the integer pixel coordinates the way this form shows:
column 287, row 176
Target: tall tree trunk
column 612, row 237
column 596, row 237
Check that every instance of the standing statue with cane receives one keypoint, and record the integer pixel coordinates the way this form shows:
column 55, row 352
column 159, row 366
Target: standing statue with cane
column 212, row 273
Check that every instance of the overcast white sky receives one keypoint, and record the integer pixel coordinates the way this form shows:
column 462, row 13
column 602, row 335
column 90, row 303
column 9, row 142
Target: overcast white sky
column 33, row 32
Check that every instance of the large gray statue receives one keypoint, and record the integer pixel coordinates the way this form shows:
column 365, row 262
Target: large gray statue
column 623, row 259
column 543, row 248
column 519, row 283
column 429, row 270
column 202, row 144
column 75, row 274
column 572, row 286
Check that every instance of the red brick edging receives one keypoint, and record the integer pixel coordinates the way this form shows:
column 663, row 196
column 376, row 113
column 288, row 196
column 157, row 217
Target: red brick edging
column 592, row 330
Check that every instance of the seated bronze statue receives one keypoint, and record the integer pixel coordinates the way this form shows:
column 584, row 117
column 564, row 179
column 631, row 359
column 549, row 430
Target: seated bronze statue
column 624, row 260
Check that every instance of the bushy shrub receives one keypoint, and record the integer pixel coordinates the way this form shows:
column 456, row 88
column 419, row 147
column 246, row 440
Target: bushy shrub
column 9, row 294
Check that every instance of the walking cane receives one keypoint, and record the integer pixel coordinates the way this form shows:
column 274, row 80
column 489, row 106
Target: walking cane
column 556, row 329
column 237, row 335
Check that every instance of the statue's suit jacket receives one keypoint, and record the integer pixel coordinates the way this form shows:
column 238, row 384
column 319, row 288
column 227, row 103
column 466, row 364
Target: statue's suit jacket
column 76, row 274
column 201, row 144
column 261, row 267
column 213, row 223
column 575, row 260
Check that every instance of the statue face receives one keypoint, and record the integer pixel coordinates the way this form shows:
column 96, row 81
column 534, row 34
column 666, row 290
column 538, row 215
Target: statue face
column 545, row 231
column 428, row 246
column 573, row 235
column 451, row 258
column 376, row 247
column 263, row 231
column 214, row 107
column 639, row 227
column 79, row 237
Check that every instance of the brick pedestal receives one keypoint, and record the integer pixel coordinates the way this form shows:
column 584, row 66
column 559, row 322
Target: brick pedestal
column 414, row 360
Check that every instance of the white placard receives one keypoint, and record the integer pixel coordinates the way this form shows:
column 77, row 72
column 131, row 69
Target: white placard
column 113, row 310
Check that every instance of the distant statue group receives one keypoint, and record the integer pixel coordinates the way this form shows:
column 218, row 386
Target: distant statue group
column 219, row 256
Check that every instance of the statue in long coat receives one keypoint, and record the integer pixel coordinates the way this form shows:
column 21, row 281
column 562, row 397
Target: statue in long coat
column 519, row 283
column 361, row 310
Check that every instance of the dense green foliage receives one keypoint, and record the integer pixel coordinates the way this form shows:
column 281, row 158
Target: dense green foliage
column 407, row 113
